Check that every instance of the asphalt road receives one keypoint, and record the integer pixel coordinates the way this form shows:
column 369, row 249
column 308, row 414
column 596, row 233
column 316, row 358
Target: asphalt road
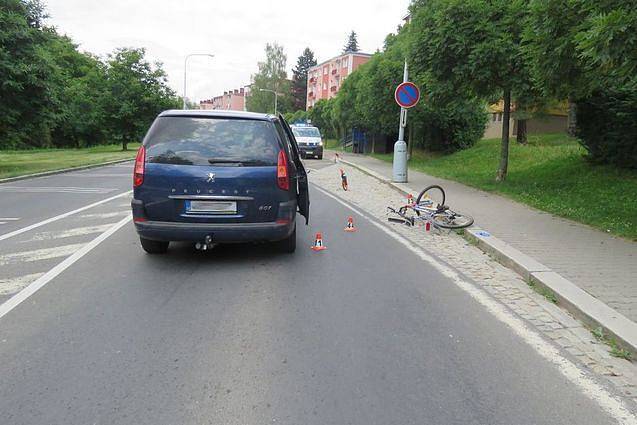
column 362, row 333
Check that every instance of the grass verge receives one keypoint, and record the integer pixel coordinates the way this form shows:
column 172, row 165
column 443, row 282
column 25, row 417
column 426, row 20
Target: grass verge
column 332, row 144
column 550, row 174
column 615, row 349
column 18, row 163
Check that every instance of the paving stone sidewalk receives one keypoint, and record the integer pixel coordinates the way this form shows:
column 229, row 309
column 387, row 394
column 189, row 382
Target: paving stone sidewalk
column 603, row 265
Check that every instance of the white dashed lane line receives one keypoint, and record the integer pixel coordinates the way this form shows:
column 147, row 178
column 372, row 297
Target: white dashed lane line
column 5, row 220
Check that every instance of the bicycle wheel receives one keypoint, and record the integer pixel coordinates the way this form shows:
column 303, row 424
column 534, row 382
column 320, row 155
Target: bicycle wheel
column 452, row 220
column 432, row 196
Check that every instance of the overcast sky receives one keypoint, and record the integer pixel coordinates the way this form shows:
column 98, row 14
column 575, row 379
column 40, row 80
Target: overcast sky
column 235, row 31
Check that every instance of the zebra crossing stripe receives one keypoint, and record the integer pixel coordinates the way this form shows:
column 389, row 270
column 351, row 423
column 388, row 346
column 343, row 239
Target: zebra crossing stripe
column 61, row 216
column 18, row 298
column 39, row 254
column 13, row 285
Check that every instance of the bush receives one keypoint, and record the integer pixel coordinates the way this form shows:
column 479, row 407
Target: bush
column 607, row 126
column 451, row 127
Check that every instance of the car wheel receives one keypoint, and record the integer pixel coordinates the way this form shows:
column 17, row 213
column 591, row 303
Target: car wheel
column 154, row 247
column 320, row 156
column 287, row 245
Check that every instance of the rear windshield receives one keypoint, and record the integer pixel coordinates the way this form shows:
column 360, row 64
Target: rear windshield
column 212, row 141
column 306, row 132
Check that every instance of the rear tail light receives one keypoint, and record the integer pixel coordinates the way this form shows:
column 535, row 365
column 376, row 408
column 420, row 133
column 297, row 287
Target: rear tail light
column 138, row 174
column 282, row 175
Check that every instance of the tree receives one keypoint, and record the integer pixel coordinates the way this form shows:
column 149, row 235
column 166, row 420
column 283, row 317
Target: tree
column 25, row 73
column 271, row 76
column 352, row 43
column 138, row 92
column 321, row 116
column 78, row 95
column 549, row 40
column 475, row 45
column 299, row 78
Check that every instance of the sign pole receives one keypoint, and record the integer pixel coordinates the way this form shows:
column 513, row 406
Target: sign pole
column 399, row 168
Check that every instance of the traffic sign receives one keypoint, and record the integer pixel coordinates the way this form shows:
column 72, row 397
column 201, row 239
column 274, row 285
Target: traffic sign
column 407, row 95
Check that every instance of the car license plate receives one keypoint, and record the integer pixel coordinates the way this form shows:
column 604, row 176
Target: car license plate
column 216, row 207
column 310, row 152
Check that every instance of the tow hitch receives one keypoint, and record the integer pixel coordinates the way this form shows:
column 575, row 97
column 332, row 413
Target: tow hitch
column 206, row 244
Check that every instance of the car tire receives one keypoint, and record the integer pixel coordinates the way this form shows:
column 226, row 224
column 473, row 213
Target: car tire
column 320, row 156
column 154, row 247
column 287, row 245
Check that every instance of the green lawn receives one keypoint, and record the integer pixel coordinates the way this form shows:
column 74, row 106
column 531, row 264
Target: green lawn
column 550, row 174
column 331, row 144
column 16, row 163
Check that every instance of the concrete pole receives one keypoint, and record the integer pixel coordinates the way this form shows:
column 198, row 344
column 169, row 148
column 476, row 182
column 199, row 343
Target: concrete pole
column 399, row 168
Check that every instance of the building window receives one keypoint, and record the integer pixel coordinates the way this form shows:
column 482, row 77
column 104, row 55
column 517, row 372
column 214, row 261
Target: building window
column 325, row 70
column 324, row 86
column 345, row 62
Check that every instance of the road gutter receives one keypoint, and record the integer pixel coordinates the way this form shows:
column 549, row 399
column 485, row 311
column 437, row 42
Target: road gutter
column 571, row 297
column 64, row 170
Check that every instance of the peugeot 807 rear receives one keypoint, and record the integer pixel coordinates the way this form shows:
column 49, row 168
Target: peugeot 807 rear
column 211, row 177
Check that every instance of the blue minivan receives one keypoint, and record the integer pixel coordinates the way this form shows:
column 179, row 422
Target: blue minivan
column 211, row 177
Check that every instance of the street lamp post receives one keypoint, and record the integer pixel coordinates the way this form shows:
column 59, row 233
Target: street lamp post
column 186, row 71
column 276, row 95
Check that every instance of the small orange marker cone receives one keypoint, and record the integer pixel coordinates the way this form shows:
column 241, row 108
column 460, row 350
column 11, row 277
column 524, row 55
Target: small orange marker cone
column 318, row 243
column 350, row 224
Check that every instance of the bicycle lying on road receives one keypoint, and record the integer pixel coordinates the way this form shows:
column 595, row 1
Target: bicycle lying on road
column 430, row 207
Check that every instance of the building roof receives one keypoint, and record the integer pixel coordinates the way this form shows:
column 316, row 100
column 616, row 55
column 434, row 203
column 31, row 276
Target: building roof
column 369, row 55
column 216, row 114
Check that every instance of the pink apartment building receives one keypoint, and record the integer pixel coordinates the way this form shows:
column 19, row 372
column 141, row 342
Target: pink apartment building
column 325, row 79
column 233, row 100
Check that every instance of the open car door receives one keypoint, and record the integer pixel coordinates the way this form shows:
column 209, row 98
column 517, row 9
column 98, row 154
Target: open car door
column 303, row 193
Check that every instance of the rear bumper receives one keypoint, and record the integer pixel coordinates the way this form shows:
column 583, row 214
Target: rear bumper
column 225, row 233
column 311, row 150
column 220, row 232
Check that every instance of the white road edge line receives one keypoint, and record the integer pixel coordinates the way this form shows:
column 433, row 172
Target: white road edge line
column 61, row 216
column 18, row 298
column 593, row 390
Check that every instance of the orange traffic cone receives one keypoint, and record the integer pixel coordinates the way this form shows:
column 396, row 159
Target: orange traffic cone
column 318, row 243
column 350, row 224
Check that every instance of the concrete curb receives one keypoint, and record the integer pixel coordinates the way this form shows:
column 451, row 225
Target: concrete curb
column 64, row 170
column 575, row 300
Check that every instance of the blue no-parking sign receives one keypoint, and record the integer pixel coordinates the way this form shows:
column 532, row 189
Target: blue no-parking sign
column 407, row 95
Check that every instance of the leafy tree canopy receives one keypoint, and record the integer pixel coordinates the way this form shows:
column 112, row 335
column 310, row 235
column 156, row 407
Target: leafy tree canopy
column 272, row 76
